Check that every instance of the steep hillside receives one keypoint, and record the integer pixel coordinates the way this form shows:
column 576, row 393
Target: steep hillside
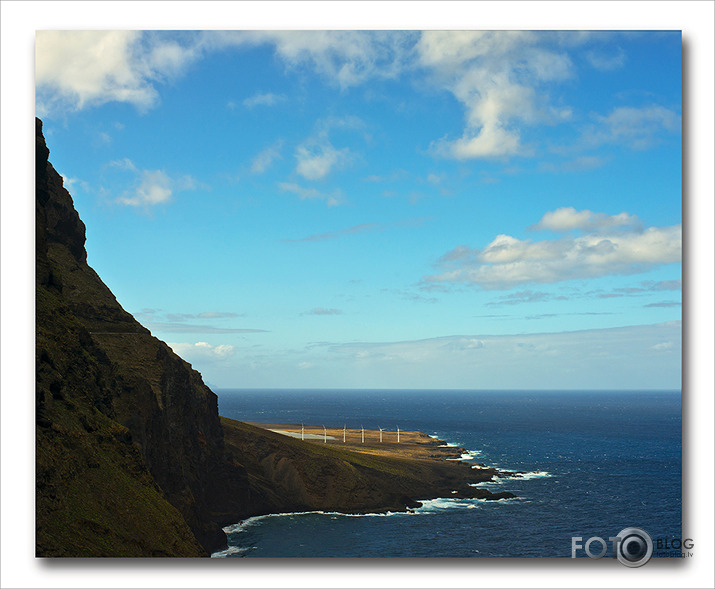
column 130, row 454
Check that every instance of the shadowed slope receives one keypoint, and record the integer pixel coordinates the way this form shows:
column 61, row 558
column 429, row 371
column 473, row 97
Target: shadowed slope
column 129, row 444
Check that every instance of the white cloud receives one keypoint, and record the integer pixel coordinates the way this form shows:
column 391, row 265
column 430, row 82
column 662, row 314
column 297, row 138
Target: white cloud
column 154, row 188
column 502, row 78
column 70, row 183
column 316, row 157
column 316, row 160
column 79, row 69
column 607, row 61
column 453, row 48
column 568, row 218
column 104, row 138
column 490, row 140
column 202, row 351
column 218, row 315
column 495, row 75
column 267, row 99
column 265, row 158
column 637, row 128
column 123, row 164
column 662, row 346
column 614, row 245
column 344, row 58
column 150, row 187
column 324, row 311
column 333, row 199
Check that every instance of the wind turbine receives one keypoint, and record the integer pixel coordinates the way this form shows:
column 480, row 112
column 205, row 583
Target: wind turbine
column 325, row 435
column 346, row 425
column 380, row 434
column 398, row 434
column 362, row 429
column 302, row 432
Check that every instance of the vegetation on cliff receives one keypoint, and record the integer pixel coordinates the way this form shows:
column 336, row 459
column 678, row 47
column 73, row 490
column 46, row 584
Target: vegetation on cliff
column 129, row 448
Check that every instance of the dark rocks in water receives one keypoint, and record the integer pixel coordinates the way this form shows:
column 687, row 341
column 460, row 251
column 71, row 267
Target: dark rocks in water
column 499, row 495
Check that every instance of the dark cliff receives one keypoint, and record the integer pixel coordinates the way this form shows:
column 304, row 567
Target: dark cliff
column 130, row 457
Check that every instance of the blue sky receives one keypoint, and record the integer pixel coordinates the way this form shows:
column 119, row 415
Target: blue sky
column 382, row 209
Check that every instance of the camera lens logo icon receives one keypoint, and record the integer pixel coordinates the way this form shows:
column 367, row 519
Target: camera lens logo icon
column 634, row 548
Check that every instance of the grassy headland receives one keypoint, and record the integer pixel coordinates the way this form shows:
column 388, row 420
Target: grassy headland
column 349, row 477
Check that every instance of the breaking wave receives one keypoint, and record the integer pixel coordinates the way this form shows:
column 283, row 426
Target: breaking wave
column 231, row 551
column 443, row 503
column 516, row 476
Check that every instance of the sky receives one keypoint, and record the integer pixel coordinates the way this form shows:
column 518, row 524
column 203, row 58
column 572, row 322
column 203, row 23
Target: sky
column 382, row 209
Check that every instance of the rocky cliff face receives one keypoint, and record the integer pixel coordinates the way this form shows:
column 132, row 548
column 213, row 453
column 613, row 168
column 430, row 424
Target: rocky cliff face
column 130, row 450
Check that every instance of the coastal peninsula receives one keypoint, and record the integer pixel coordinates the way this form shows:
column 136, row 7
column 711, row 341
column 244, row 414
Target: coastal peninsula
column 322, row 472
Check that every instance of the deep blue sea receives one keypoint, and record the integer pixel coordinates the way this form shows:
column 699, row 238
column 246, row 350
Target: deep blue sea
column 597, row 462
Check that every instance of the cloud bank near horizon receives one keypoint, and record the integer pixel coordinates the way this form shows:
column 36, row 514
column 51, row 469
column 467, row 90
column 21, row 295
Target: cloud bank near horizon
column 631, row 357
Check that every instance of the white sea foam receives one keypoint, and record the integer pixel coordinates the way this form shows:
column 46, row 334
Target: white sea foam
column 442, row 503
column 471, row 454
column 242, row 526
column 515, row 476
column 467, row 456
column 230, row 551
column 428, row 506
column 537, row 474
column 526, row 476
column 486, row 483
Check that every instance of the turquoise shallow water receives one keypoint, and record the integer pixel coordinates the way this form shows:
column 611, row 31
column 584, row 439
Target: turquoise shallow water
column 598, row 462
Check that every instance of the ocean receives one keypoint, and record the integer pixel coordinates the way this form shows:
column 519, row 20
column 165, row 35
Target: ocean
column 596, row 462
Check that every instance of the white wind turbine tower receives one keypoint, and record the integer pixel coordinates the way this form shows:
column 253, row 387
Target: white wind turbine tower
column 398, row 434
column 345, row 426
column 380, row 434
column 362, row 429
column 302, row 432
column 325, row 435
